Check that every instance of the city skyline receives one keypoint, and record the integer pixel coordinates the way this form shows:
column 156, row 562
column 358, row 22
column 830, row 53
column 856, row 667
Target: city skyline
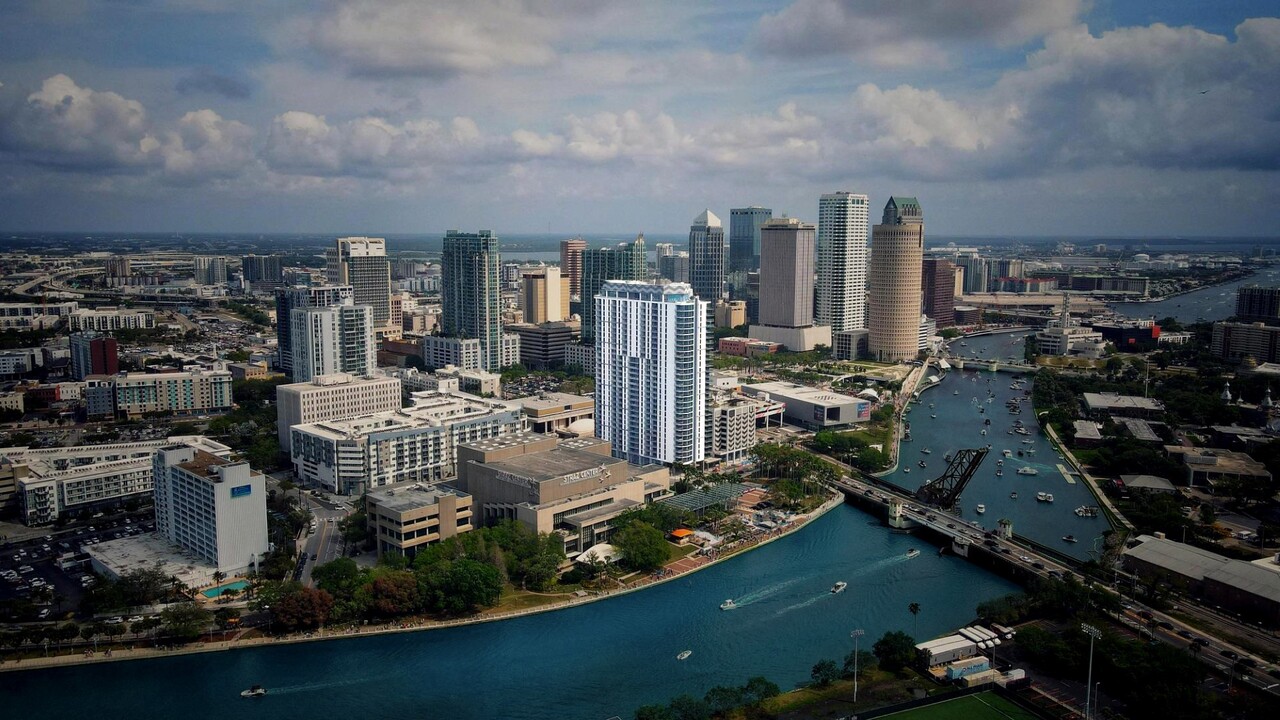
column 394, row 117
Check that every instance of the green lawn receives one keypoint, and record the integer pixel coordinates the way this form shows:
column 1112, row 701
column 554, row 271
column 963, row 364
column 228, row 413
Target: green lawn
column 983, row 706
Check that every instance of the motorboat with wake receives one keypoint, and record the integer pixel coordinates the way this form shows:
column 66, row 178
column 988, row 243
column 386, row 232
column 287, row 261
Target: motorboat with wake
column 1028, row 470
column 913, row 553
column 981, row 508
column 729, row 605
column 839, row 587
column 1069, row 538
column 253, row 692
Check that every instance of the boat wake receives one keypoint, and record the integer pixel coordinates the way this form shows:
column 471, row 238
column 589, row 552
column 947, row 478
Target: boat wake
column 806, row 603
column 312, row 687
column 764, row 592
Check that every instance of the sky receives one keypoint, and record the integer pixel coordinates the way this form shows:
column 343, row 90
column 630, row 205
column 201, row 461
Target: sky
column 1101, row 118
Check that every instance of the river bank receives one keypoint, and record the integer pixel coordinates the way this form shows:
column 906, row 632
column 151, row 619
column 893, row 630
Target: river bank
column 677, row 569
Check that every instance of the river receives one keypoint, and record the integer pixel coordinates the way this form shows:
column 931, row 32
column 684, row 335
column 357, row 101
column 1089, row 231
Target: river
column 588, row 662
column 962, row 409
column 1211, row 303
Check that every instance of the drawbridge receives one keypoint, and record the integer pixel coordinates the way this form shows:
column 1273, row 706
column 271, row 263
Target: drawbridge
column 946, row 489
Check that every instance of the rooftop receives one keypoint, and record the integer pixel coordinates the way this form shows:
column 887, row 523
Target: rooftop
column 202, row 462
column 414, row 496
column 695, row 500
column 1217, row 460
column 553, row 402
column 803, row 393
column 1113, row 401
column 1146, row 482
column 555, row 464
column 1174, row 556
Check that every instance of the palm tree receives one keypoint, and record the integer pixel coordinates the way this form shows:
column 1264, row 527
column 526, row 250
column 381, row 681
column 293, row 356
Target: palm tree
column 218, row 577
column 914, row 609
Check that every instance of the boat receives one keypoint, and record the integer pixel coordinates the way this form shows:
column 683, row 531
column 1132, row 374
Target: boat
column 1042, row 497
column 1087, row 511
column 1028, row 442
column 987, row 421
column 964, row 344
column 955, row 392
column 1048, row 497
column 934, row 416
column 1013, row 495
column 1000, row 462
column 925, row 451
column 913, row 553
column 684, row 655
column 1024, row 470
column 931, row 406
column 253, row 692
column 1031, row 451
column 1069, row 538
column 981, row 508
column 984, row 431
column 729, row 605
column 1006, row 452
column 906, row 469
column 1022, row 431
column 922, row 464
column 839, row 587
column 947, row 457
column 999, row 473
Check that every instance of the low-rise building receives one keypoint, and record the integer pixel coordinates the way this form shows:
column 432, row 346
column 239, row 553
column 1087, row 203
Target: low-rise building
column 573, row 487
column 1109, row 403
column 180, row 393
column 52, row 482
column 107, row 319
column 1207, row 467
column 332, row 397
column 474, row 381
column 415, row 444
column 249, row 371
column 811, row 407
column 404, row 518
column 1235, row 341
column 580, row 356
column 542, row 346
column 1237, row 587
column 747, row 347
column 734, row 419
column 466, row 353
column 551, row 412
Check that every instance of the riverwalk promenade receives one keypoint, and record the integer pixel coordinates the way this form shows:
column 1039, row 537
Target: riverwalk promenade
column 121, row 651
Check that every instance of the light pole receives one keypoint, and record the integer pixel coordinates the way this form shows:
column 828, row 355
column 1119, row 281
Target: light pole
column 855, row 635
column 1093, row 634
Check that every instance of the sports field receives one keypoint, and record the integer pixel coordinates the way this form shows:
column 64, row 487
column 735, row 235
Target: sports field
column 983, row 706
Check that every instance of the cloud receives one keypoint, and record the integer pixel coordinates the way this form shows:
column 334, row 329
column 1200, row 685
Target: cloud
column 301, row 143
column 68, row 126
column 205, row 147
column 442, row 38
column 894, row 33
column 207, row 81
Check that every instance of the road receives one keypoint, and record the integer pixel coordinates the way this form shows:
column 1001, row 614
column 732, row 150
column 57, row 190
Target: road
column 325, row 544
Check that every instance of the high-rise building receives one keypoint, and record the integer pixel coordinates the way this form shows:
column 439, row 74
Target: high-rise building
column 674, row 267
column 706, row 257
column 651, row 372
column 544, row 295
column 627, row 261
column 897, row 257
column 333, row 339
column 361, row 262
column 93, row 353
column 938, row 281
column 787, row 249
column 292, row 298
column 471, row 292
column 262, row 272
column 842, row 261
column 571, row 262
column 661, row 250
column 744, row 236
column 1258, row 304
column 977, row 272
column 215, row 509
column 209, row 270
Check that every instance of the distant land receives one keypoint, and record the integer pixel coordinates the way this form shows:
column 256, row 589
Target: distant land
column 516, row 243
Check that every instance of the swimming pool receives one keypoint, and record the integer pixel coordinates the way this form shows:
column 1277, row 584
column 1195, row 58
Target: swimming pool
column 238, row 586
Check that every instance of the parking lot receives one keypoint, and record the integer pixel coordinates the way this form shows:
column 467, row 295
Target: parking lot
column 52, row 572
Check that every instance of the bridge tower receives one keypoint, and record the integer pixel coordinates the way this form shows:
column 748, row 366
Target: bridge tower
column 898, row 519
column 1005, row 528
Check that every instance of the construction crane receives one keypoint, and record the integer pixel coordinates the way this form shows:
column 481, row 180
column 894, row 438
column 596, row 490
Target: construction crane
column 945, row 490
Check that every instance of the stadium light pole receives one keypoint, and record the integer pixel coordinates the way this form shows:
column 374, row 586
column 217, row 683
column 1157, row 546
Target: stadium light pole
column 1093, row 634
column 855, row 635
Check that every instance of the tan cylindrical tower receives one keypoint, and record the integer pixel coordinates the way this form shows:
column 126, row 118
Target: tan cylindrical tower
column 897, row 253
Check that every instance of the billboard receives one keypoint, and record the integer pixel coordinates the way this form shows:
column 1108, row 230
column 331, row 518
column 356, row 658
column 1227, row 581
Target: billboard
column 241, row 491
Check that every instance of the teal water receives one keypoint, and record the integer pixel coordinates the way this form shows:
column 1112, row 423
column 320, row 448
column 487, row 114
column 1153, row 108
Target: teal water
column 217, row 592
column 589, row 662
column 959, row 425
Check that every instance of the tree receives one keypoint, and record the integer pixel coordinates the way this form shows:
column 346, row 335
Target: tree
column 184, row 622
column 895, row 650
column 825, row 672
column 654, row 712
column 643, row 547
column 301, row 607
column 218, row 577
column 226, row 617
column 688, row 707
column 914, row 609
column 472, row 584
column 865, row 663
column 394, row 593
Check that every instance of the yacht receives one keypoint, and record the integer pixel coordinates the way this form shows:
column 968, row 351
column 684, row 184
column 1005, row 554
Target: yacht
column 1042, row 497
column 934, row 416
column 955, row 392
column 1013, row 495
column 984, row 431
column 253, row 692
column 729, row 605
column 981, row 508
column 1025, row 470
column 684, row 655
column 1006, row 452
column 1087, row 511
column 1069, row 538
column 906, row 469
column 913, row 553
column 839, row 587
column 999, row 473
column 925, row 451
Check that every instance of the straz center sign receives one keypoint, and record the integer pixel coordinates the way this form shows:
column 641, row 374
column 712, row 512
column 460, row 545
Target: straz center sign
column 571, row 478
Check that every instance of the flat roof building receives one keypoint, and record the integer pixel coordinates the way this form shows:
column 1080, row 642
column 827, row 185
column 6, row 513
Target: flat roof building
column 811, row 407
column 414, row 444
column 181, row 393
column 404, row 518
column 553, row 411
column 1109, row 403
column 332, row 397
column 573, row 487
column 1207, row 467
column 1238, row 587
